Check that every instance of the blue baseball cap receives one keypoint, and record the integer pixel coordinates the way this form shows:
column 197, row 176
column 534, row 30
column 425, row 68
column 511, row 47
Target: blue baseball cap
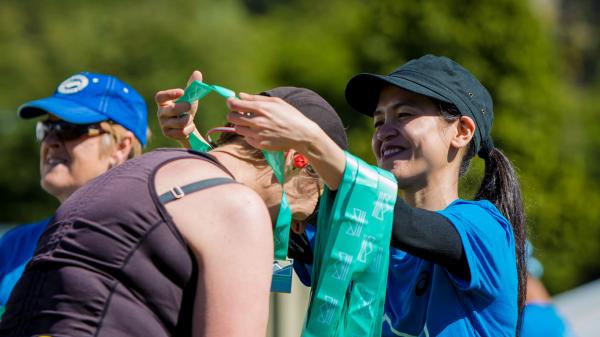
column 86, row 98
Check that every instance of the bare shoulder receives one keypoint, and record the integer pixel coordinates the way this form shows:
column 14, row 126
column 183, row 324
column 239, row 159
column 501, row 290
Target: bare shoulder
column 244, row 203
column 216, row 215
column 185, row 171
column 241, row 210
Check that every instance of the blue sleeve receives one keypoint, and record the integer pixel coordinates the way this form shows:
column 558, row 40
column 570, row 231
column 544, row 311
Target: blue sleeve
column 303, row 270
column 488, row 245
column 17, row 247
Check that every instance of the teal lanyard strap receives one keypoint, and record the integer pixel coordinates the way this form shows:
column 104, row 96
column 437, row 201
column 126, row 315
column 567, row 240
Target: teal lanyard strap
column 197, row 90
column 281, row 233
column 352, row 254
column 198, row 145
column 194, row 92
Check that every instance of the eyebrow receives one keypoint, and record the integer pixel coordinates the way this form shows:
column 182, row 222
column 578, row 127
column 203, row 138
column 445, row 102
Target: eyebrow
column 395, row 106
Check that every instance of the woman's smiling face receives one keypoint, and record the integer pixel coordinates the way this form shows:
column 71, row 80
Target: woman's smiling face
column 67, row 165
column 411, row 139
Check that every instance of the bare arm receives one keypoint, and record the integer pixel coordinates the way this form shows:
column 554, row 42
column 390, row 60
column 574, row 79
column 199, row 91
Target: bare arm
column 229, row 231
column 277, row 126
column 326, row 157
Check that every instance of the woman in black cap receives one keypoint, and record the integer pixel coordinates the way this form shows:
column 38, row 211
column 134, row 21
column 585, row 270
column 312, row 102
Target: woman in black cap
column 457, row 266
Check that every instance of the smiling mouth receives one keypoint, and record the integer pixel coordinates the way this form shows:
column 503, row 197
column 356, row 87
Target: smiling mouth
column 391, row 151
column 54, row 161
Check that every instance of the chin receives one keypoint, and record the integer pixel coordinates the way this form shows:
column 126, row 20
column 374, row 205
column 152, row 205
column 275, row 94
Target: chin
column 50, row 188
column 395, row 167
column 400, row 176
column 404, row 176
column 56, row 186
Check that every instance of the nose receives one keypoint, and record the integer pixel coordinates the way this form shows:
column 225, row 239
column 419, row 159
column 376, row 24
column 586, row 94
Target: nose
column 51, row 140
column 385, row 132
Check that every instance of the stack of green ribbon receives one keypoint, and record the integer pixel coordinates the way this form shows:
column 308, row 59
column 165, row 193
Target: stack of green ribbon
column 352, row 254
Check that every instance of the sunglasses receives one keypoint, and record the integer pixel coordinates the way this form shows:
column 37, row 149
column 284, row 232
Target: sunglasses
column 65, row 131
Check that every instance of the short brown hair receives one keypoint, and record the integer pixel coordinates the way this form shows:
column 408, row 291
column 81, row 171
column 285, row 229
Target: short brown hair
column 118, row 132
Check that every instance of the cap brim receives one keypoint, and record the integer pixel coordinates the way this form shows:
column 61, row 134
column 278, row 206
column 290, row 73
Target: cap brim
column 363, row 90
column 64, row 109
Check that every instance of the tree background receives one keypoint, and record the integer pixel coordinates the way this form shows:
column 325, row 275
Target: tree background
column 539, row 59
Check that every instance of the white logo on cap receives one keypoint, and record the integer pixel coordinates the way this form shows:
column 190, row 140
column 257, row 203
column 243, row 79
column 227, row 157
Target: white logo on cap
column 73, row 84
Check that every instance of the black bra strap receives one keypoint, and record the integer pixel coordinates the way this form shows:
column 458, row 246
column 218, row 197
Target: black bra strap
column 179, row 192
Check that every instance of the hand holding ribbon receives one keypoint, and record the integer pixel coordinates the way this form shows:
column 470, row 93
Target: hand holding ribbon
column 176, row 116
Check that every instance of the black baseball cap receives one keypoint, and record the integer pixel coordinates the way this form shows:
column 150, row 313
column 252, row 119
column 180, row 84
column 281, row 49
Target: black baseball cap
column 436, row 77
column 316, row 109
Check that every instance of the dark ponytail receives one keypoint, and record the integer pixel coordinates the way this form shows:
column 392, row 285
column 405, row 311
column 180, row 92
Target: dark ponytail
column 500, row 186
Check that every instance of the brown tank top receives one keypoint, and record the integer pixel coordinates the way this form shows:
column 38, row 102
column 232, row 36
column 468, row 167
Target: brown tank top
column 111, row 263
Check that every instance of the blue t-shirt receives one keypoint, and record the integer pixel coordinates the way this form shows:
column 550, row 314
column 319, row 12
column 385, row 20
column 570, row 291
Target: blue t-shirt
column 16, row 249
column 424, row 299
column 542, row 320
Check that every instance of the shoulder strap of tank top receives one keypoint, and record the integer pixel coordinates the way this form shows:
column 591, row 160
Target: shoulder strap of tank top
column 179, row 192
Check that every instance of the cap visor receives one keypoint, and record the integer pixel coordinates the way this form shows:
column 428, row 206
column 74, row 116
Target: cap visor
column 64, row 109
column 363, row 90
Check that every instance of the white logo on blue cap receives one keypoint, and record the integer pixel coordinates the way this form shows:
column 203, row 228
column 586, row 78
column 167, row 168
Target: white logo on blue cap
column 73, row 84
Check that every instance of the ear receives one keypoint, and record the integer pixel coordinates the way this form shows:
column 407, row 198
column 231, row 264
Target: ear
column 121, row 151
column 465, row 130
column 289, row 156
column 295, row 159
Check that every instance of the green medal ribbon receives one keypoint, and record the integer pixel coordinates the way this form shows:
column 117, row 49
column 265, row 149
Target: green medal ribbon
column 195, row 92
column 199, row 145
column 281, row 233
column 352, row 254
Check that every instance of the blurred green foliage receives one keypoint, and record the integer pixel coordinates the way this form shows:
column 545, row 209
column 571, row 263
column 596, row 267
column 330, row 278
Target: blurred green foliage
column 545, row 121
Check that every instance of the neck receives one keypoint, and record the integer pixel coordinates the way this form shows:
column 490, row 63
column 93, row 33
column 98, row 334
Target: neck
column 242, row 169
column 246, row 171
column 437, row 192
